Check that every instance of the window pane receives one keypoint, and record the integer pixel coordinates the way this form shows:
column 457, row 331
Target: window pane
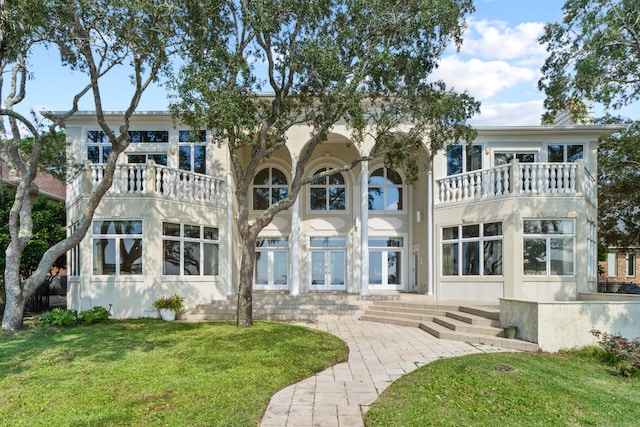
column 502, row 158
column 328, row 242
column 262, row 178
column 337, row 199
column 278, row 194
column 393, row 177
column 493, row 258
column 470, row 231
column 261, row 276
column 192, row 231
column 394, row 199
column 532, row 226
column 104, row 256
column 575, row 152
column 450, row 233
column 631, row 265
column 170, row 229
column 200, row 159
column 336, row 179
column 535, row 256
column 454, row 160
column 93, row 154
column 191, row 258
column 136, row 159
column 375, row 268
column 192, row 136
column 260, row 198
column 280, row 267
column 393, row 268
column 171, row 258
column 210, row 262
column 526, row 157
column 561, row 256
column 474, row 157
column 450, row 259
column 272, row 242
column 130, row 256
column 493, row 229
column 471, row 258
column 318, row 201
column 277, row 177
column 105, row 154
column 377, row 177
column 96, row 136
column 555, row 153
column 211, row 233
column 184, row 158
column 376, row 199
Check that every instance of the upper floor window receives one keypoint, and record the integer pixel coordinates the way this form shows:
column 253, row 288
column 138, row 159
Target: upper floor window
column 269, row 187
column 98, row 146
column 385, row 190
column 328, row 193
column 193, row 151
column 117, row 247
column 549, row 247
column 149, row 136
column 506, row 157
column 189, row 250
column 159, row 158
column 565, row 153
column 463, row 158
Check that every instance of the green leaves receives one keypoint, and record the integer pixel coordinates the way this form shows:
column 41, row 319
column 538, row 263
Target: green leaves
column 594, row 56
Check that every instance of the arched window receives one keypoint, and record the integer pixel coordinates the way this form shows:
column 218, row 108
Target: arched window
column 385, row 190
column 328, row 193
column 269, row 187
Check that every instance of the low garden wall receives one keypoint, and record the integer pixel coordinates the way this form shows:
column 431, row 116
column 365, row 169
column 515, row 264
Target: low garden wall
column 556, row 325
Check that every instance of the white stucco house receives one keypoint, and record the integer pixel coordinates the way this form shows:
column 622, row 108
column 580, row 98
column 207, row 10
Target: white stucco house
column 511, row 216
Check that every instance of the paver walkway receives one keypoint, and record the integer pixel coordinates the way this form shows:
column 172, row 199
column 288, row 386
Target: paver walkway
column 378, row 354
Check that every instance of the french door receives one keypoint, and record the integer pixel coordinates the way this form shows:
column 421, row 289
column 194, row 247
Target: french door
column 328, row 264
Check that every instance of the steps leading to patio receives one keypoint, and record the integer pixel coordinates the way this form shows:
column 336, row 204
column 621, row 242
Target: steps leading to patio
column 457, row 322
column 282, row 307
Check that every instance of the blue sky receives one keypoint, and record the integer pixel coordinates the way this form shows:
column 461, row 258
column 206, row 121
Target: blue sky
column 499, row 64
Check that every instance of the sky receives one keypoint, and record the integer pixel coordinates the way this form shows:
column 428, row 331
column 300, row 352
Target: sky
column 498, row 64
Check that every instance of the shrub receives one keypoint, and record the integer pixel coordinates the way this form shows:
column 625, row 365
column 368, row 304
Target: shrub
column 621, row 352
column 97, row 314
column 58, row 317
column 172, row 303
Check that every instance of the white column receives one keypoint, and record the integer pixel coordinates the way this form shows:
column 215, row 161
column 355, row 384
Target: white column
column 229, row 235
column 430, row 235
column 364, row 229
column 294, row 242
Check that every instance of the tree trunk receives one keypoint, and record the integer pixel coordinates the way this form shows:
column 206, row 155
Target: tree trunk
column 14, row 305
column 245, row 288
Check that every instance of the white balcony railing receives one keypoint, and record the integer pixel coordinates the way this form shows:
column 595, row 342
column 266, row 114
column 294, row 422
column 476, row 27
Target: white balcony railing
column 517, row 179
column 150, row 178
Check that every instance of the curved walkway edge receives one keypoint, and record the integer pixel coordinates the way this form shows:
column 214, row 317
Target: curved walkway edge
column 378, row 354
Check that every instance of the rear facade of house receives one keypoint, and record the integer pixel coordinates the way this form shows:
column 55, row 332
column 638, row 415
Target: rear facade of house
column 511, row 215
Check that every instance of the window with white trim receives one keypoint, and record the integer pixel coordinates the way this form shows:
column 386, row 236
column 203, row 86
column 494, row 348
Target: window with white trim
column 192, row 154
column 149, row 136
column 117, row 247
column 328, row 193
column 269, row 187
column 98, row 146
column 385, row 190
column 549, row 247
column 612, row 264
column 272, row 261
column 190, row 250
column 385, row 260
column 463, row 158
column 506, row 157
column 472, row 250
column 564, row 153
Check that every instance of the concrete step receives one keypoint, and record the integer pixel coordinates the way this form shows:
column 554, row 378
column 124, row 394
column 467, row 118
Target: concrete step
column 406, row 310
column 459, row 326
column 402, row 305
column 443, row 332
column 398, row 314
column 390, row 320
column 490, row 312
column 472, row 319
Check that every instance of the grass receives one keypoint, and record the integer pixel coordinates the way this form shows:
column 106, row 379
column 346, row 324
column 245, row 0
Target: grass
column 511, row 389
column 149, row 372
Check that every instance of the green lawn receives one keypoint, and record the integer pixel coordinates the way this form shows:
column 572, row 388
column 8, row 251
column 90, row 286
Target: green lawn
column 511, row 389
column 149, row 372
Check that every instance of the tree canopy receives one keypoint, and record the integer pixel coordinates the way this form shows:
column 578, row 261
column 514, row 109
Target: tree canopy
column 255, row 69
column 594, row 56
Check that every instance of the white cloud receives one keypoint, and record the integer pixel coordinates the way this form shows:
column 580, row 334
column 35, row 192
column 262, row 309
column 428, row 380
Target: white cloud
column 510, row 114
column 482, row 79
column 497, row 40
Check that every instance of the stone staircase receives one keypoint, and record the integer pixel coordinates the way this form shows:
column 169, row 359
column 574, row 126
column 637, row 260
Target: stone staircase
column 458, row 322
column 283, row 307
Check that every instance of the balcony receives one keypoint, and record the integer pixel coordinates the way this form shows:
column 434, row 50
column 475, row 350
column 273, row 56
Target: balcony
column 152, row 180
column 517, row 180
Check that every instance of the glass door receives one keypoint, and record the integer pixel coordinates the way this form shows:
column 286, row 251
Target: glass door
column 328, row 264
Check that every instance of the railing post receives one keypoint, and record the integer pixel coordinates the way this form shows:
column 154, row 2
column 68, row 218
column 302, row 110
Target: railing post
column 150, row 177
column 515, row 185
